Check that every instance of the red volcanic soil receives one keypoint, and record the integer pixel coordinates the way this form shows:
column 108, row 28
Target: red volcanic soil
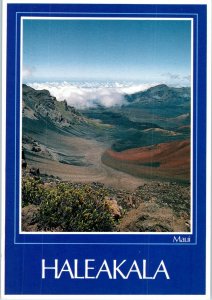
column 167, row 160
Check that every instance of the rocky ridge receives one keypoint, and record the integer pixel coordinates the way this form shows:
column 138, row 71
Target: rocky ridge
column 40, row 104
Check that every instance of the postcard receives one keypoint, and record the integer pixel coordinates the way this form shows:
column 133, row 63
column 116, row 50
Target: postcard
column 106, row 150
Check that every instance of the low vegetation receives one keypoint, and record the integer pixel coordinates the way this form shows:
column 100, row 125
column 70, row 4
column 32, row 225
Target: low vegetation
column 64, row 207
column 52, row 205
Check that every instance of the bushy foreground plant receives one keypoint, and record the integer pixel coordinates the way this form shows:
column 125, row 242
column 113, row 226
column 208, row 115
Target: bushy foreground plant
column 66, row 207
column 33, row 191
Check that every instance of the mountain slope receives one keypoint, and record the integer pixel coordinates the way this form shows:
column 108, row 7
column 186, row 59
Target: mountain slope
column 160, row 94
column 55, row 131
column 167, row 160
column 39, row 105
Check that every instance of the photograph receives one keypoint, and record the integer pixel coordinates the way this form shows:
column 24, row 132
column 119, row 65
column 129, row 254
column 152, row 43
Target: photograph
column 106, row 150
column 106, row 125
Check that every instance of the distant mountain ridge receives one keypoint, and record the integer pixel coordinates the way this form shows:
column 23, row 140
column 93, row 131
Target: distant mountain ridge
column 160, row 93
column 159, row 107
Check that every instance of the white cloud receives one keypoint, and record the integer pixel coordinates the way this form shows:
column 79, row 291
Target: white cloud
column 91, row 94
column 27, row 72
column 131, row 89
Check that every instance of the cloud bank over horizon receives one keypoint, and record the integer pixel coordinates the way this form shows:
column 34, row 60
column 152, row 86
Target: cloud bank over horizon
column 91, row 94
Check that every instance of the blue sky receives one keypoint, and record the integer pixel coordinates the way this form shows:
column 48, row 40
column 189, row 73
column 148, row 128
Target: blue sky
column 140, row 50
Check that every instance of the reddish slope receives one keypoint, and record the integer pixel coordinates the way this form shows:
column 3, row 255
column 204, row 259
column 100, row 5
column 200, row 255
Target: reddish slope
column 169, row 160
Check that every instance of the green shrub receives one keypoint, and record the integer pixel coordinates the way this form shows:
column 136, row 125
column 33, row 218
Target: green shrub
column 33, row 191
column 67, row 207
